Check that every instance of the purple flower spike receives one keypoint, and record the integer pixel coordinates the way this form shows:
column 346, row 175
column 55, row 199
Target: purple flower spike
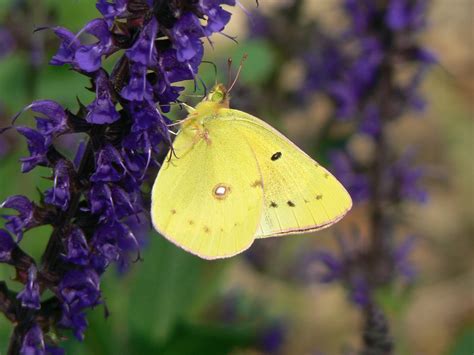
column 38, row 145
column 102, row 109
column 60, row 195
column 30, row 296
column 401, row 257
column 7, row 244
column 33, row 342
column 89, row 57
column 95, row 203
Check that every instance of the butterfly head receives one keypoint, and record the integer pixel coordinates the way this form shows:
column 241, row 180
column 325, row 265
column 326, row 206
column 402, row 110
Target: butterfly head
column 218, row 95
column 217, row 98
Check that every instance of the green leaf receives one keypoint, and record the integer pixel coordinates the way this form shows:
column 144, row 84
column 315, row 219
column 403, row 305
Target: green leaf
column 167, row 284
column 208, row 339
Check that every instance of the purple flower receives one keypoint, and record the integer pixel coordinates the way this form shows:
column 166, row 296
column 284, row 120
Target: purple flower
column 77, row 248
column 356, row 183
column 79, row 289
column 111, row 10
column 102, row 109
column 371, row 123
column 406, row 14
column 109, row 164
column 217, row 17
column 67, row 48
column 143, row 50
column 33, row 342
column 139, row 88
column 111, row 203
column 360, row 292
column 89, row 57
column 38, row 145
column 406, row 179
column 173, row 70
column 273, row 338
column 59, row 195
column 26, row 218
column 55, row 121
column 7, row 244
column 7, row 42
column 30, row 296
column 401, row 256
column 186, row 37
column 111, row 240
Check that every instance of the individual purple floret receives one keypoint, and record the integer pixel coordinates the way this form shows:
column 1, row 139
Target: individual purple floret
column 30, row 295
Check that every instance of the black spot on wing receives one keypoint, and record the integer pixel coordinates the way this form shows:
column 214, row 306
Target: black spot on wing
column 273, row 204
column 319, row 197
column 276, row 156
column 291, row 204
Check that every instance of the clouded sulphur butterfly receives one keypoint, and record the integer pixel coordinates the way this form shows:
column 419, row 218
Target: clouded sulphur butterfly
column 233, row 178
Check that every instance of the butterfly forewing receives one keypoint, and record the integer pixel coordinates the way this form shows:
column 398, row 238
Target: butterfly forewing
column 206, row 198
column 299, row 194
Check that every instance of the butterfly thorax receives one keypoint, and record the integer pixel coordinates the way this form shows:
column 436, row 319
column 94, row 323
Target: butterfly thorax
column 208, row 108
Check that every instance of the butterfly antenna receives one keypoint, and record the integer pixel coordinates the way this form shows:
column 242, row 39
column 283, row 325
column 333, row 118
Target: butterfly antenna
column 229, row 71
column 244, row 58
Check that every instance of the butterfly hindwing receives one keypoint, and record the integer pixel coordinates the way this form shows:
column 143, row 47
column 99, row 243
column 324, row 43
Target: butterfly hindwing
column 205, row 199
column 299, row 194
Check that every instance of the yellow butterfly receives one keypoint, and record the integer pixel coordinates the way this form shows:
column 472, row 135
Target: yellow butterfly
column 233, row 178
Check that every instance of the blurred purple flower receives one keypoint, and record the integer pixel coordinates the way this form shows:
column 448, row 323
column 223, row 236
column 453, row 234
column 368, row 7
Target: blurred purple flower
column 355, row 182
column 7, row 42
column 273, row 338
